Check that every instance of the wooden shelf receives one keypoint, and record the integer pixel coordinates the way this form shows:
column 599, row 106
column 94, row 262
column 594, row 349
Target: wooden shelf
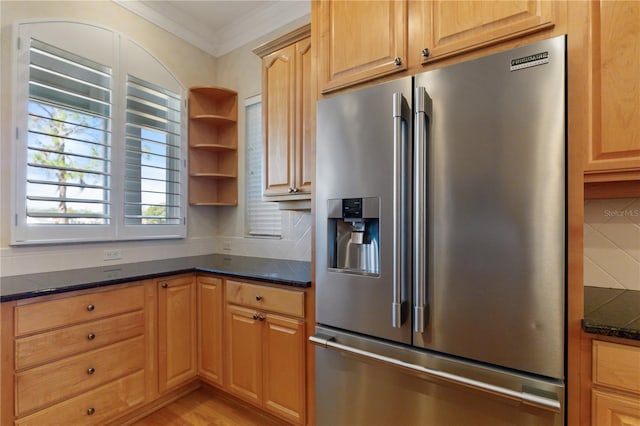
column 213, row 146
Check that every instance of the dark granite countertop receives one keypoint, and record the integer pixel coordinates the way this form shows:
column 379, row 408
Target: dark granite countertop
column 612, row 312
column 286, row 272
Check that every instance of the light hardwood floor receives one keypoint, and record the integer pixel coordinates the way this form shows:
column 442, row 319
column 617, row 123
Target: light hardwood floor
column 205, row 407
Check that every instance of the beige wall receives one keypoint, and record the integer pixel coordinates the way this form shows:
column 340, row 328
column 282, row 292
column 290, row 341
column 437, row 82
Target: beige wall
column 210, row 229
column 189, row 64
column 241, row 70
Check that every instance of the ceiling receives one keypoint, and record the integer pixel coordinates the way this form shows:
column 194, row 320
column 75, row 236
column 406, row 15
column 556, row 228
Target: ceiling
column 219, row 26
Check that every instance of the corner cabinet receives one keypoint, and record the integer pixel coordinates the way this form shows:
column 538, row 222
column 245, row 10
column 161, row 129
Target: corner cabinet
column 177, row 341
column 210, row 317
column 610, row 49
column 288, row 105
column 360, row 41
column 213, row 146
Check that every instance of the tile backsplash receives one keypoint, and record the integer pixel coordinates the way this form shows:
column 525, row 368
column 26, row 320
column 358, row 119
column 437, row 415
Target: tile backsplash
column 294, row 244
column 612, row 243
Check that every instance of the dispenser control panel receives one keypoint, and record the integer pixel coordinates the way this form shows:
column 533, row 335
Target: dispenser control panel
column 352, row 208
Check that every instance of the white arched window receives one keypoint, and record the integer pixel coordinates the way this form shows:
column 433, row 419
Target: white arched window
column 100, row 152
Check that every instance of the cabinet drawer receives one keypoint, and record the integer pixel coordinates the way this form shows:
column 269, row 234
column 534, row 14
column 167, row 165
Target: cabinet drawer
column 51, row 314
column 288, row 302
column 64, row 342
column 41, row 386
column 616, row 366
column 104, row 403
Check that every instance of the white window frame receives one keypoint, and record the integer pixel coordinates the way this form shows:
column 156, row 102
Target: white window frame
column 124, row 56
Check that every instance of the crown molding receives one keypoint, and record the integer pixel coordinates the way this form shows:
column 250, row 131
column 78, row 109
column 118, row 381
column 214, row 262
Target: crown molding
column 233, row 35
column 260, row 23
column 282, row 41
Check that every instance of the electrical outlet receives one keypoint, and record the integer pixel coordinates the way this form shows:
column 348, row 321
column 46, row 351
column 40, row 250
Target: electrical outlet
column 112, row 254
column 226, row 246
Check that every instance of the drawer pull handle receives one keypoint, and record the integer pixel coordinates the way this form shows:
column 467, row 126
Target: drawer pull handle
column 91, row 336
column 91, row 411
column 258, row 298
column 90, row 307
column 91, row 370
column 165, row 285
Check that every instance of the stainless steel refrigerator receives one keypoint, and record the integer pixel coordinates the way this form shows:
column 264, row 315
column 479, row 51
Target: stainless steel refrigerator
column 441, row 246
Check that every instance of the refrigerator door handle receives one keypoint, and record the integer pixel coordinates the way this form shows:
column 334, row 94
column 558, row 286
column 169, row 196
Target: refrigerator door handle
column 400, row 144
column 422, row 120
column 527, row 398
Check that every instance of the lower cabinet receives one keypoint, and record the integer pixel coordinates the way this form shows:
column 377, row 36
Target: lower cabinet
column 102, row 356
column 74, row 360
column 177, row 338
column 210, row 317
column 615, row 396
column 265, row 359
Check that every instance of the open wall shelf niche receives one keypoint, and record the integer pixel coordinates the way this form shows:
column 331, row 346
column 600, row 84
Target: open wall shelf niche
column 213, row 146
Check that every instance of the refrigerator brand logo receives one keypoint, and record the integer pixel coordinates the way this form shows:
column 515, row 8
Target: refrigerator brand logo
column 530, row 61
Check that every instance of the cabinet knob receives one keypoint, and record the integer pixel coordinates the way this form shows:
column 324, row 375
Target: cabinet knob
column 91, row 411
column 90, row 307
column 91, row 370
column 258, row 298
column 255, row 316
column 165, row 285
column 296, row 190
column 425, row 52
column 91, row 336
column 397, row 61
column 261, row 317
column 290, row 190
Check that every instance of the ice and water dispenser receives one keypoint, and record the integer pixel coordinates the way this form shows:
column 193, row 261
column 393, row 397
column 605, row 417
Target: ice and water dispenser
column 354, row 235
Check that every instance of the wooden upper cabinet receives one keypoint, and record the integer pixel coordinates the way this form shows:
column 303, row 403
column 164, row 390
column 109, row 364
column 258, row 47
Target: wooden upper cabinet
column 305, row 117
column 288, row 109
column 360, row 41
column 278, row 98
column 455, row 27
column 612, row 54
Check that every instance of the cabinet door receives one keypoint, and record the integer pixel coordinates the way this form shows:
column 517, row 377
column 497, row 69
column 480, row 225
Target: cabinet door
column 177, row 341
column 278, row 99
column 305, row 117
column 614, row 51
column 210, row 329
column 284, row 367
column 615, row 410
column 244, row 369
column 361, row 40
column 455, row 27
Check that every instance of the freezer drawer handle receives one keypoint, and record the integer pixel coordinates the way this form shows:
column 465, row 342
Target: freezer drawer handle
column 524, row 397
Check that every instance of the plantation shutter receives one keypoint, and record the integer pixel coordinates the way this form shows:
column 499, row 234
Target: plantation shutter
column 68, row 176
column 153, row 159
column 263, row 217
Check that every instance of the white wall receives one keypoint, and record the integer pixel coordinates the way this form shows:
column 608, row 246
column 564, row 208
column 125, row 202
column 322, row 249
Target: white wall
column 612, row 243
column 189, row 64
